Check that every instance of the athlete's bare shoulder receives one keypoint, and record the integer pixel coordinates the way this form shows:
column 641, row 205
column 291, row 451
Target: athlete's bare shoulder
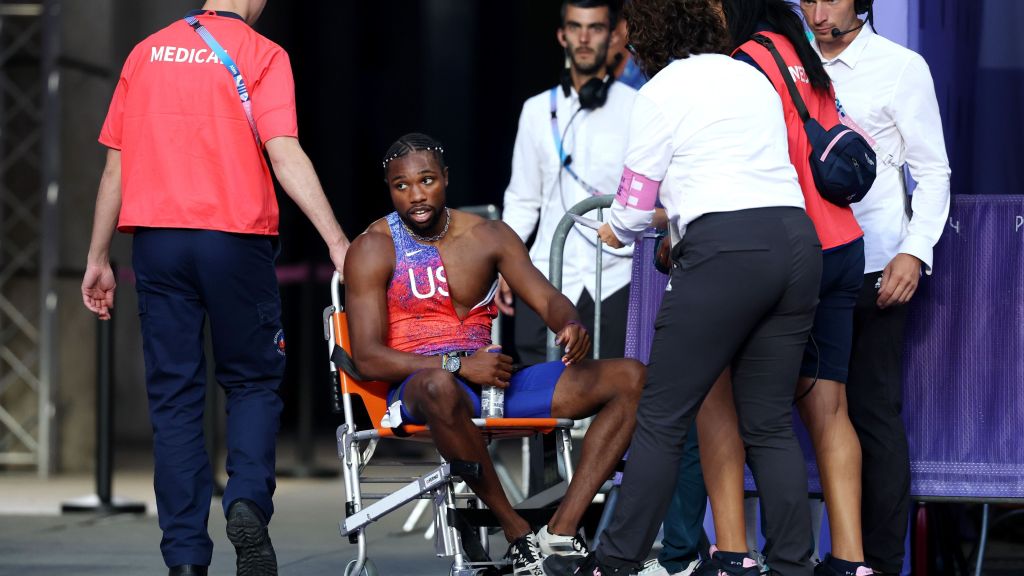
column 482, row 234
column 372, row 251
column 379, row 226
column 463, row 222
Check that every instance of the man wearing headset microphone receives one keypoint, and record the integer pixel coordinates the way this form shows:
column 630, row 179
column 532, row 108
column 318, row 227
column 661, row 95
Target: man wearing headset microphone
column 889, row 90
column 570, row 146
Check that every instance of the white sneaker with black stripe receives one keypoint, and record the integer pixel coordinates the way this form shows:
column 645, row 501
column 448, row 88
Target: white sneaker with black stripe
column 551, row 544
column 525, row 556
column 654, row 568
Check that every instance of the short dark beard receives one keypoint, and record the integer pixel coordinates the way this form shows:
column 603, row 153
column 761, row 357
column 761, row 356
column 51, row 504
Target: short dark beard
column 601, row 55
column 422, row 232
column 424, row 228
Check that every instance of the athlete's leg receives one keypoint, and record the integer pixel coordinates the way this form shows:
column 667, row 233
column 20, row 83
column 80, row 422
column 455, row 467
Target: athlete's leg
column 435, row 397
column 611, row 389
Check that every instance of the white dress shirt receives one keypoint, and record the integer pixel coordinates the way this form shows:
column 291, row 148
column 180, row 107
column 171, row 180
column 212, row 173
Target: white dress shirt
column 710, row 129
column 888, row 90
column 542, row 190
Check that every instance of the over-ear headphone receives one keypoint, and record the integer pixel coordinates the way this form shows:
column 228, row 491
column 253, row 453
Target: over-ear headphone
column 862, row 6
column 594, row 92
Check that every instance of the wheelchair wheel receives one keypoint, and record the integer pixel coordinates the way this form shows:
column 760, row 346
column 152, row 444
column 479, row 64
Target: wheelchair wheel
column 369, row 569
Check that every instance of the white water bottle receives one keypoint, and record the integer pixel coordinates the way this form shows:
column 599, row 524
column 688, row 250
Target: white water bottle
column 492, row 398
column 492, row 402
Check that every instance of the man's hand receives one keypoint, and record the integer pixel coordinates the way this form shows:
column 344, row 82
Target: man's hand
column 338, row 251
column 608, row 237
column 487, row 367
column 576, row 340
column 660, row 220
column 899, row 281
column 505, row 301
column 98, row 287
column 663, row 255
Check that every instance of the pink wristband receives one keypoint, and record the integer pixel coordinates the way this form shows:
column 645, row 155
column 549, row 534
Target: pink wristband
column 637, row 191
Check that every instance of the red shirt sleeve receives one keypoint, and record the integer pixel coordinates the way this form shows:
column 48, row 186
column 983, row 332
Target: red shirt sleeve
column 110, row 134
column 273, row 98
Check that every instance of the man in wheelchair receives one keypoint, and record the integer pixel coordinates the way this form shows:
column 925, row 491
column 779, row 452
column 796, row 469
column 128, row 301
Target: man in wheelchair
column 420, row 288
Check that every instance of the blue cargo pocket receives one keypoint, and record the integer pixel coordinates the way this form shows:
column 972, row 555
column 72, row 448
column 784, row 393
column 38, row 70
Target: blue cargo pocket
column 270, row 319
column 269, row 313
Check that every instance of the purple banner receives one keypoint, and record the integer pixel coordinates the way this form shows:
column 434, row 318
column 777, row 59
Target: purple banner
column 964, row 359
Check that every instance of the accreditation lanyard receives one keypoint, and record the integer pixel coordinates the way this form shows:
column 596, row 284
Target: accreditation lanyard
column 222, row 55
column 562, row 156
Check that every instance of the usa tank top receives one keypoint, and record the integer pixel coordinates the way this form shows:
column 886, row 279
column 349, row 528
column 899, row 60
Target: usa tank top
column 421, row 313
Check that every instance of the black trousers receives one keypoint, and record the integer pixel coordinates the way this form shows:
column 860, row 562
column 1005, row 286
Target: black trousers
column 531, row 333
column 743, row 293
column 874, row 393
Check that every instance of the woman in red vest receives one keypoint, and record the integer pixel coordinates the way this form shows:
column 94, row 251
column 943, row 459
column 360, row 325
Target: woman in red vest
column 821, row 392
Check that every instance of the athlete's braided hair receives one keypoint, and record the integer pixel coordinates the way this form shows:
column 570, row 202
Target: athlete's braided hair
column 413, row 142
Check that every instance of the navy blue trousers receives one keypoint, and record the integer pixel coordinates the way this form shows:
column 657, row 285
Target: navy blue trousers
column 182, row 277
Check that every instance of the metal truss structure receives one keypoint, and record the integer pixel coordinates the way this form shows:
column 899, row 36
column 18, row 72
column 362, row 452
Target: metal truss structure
column 29, row 161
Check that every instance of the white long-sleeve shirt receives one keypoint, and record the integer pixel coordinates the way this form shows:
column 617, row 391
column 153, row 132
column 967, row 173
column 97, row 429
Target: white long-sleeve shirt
column 710, row 130
column 541, row 190
column 889, row 91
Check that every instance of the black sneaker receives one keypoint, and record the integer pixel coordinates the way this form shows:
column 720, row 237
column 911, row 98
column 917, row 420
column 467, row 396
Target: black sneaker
column 718, row 566
column 524, row 553
column 827, row 568
column 588, row 565
column 247, row 531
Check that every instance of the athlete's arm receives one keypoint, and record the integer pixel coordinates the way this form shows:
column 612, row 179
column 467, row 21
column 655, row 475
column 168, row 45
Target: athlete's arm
column 533, row 288
column 368, row 268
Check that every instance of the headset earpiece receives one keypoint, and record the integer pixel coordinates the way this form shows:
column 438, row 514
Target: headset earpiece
column 594, row 93
column 862, row 6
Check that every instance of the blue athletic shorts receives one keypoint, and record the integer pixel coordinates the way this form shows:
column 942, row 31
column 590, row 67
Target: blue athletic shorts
column 528, row 395
column 827, row 355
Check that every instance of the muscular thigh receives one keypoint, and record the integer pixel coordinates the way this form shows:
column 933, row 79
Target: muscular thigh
column 584, row 388
column 432, row 387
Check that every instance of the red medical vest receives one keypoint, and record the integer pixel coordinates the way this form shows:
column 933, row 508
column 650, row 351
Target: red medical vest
column 835, row 225
column 188, row 155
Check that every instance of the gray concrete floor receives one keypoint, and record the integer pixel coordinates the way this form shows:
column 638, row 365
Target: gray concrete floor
column 37, row 540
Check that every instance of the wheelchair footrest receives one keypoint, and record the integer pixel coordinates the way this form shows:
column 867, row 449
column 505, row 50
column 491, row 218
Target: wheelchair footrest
column 466, row 470
column 356, row 520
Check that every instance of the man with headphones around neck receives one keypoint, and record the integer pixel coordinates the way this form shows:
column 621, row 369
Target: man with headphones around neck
column 889, row 90
column 570, row 146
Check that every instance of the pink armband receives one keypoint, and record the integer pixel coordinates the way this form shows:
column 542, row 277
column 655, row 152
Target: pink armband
column 637, row 191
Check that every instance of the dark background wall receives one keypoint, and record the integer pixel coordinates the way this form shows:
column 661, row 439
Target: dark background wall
column 365, row 73
column 368, row 72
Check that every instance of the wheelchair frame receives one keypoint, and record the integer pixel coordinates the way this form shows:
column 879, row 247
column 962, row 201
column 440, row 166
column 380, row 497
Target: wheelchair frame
column 436, row 485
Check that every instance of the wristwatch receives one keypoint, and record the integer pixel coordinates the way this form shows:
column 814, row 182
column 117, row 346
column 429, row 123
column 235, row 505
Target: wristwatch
column 451, row 363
